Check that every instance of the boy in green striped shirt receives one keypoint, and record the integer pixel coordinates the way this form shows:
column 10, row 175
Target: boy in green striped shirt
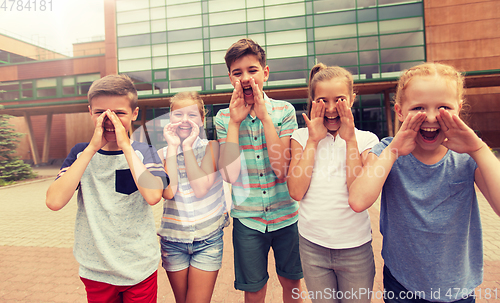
column 254, row 133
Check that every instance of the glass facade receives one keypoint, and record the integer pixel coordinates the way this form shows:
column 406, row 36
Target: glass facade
column 48, row 88
column 167, row 46
column 10, row 58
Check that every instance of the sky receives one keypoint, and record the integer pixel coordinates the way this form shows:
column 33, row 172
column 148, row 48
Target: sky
column 69, row 21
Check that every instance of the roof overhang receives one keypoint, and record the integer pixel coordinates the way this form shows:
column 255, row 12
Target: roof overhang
column 363, row 87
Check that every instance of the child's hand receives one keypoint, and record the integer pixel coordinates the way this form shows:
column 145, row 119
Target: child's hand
column 122, row 139
column 238, row 109
column 98, row 141
column 404, row 141
column 316, row 126
column 346, row 130
column 259, row 103
column 170, row 134
column 459, row 137
column 195, row 132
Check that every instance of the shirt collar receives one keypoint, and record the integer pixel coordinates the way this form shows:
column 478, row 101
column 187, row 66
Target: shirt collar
column 269, row 106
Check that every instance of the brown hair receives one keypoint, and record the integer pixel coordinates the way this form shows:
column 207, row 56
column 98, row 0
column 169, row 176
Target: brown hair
column 244, row 47
column 114, row 85
column 321, row 72
column 189, row 95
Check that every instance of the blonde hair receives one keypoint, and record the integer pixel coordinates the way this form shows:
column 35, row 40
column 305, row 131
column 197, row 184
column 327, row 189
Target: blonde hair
column 114, row 85
column 189, row 95
column 449, row 73
column 320, row 73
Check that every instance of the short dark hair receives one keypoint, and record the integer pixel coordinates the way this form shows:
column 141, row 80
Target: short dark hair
column 242, row 48
column 114, row 85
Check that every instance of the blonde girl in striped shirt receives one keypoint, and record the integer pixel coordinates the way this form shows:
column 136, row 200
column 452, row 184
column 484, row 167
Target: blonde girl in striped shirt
column 194, row 211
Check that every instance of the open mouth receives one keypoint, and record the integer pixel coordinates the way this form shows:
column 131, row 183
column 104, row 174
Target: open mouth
column 248, row 91
column 429, row 134
column 332, row 120
column 110, row 130
column 185, row 128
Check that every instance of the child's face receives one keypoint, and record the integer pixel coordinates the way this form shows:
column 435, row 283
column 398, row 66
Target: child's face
column 120, row 105
column 331, row 91
column 428, row 94
column 245, row 68
column 182, row 112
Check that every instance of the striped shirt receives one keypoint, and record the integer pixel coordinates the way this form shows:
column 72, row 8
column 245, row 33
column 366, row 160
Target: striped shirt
column 187, row 218
column 260, row 201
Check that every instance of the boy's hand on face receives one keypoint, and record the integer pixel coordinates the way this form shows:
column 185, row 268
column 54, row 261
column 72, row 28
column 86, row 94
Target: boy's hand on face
column 404, row 141
column 98, row 141
column 170, row 134
column 122, row 139
column 195, row 131
column 316, row 126
column 346, row 130
column 459, row 137
column 238, row 109
column 259, row 103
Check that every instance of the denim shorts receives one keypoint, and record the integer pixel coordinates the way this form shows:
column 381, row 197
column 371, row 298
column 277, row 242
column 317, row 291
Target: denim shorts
column 205, row 254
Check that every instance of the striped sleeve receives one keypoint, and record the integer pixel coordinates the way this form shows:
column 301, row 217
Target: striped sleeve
column 221, row 121
column 289, row 123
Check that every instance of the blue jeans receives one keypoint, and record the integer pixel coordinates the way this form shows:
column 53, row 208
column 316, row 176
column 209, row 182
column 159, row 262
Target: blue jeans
column 337, row 275
column 205, row 254
column 397, row 293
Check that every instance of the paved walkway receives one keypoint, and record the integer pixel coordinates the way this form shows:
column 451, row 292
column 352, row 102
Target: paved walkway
column 37, row 264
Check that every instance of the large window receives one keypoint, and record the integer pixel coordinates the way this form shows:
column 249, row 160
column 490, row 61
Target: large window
column 180, row 44
column 47, row 88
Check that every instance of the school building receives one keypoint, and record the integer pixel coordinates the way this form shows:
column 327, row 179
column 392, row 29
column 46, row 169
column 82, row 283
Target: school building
column 168, row 46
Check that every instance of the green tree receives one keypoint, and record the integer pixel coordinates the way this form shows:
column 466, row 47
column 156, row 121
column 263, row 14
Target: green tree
column 11, row 167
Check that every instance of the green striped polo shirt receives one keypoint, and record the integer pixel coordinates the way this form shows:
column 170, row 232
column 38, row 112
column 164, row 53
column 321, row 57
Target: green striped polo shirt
column 260, row 200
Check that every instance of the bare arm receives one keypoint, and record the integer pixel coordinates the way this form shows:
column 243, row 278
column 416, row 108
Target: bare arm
column 487, row 176
column 62, row 190
column 229, row 160
column 150, row 186
column 302, row 162
column 170, row 165
column 301, row 168
column 366, row 188
column 201, row 178
column 354, row 164
column 462, row 139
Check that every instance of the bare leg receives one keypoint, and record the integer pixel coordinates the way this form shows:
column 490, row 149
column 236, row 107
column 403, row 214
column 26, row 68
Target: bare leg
column 179, row 282
column 200, row 285
column 256, row 297
column 288, row 286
